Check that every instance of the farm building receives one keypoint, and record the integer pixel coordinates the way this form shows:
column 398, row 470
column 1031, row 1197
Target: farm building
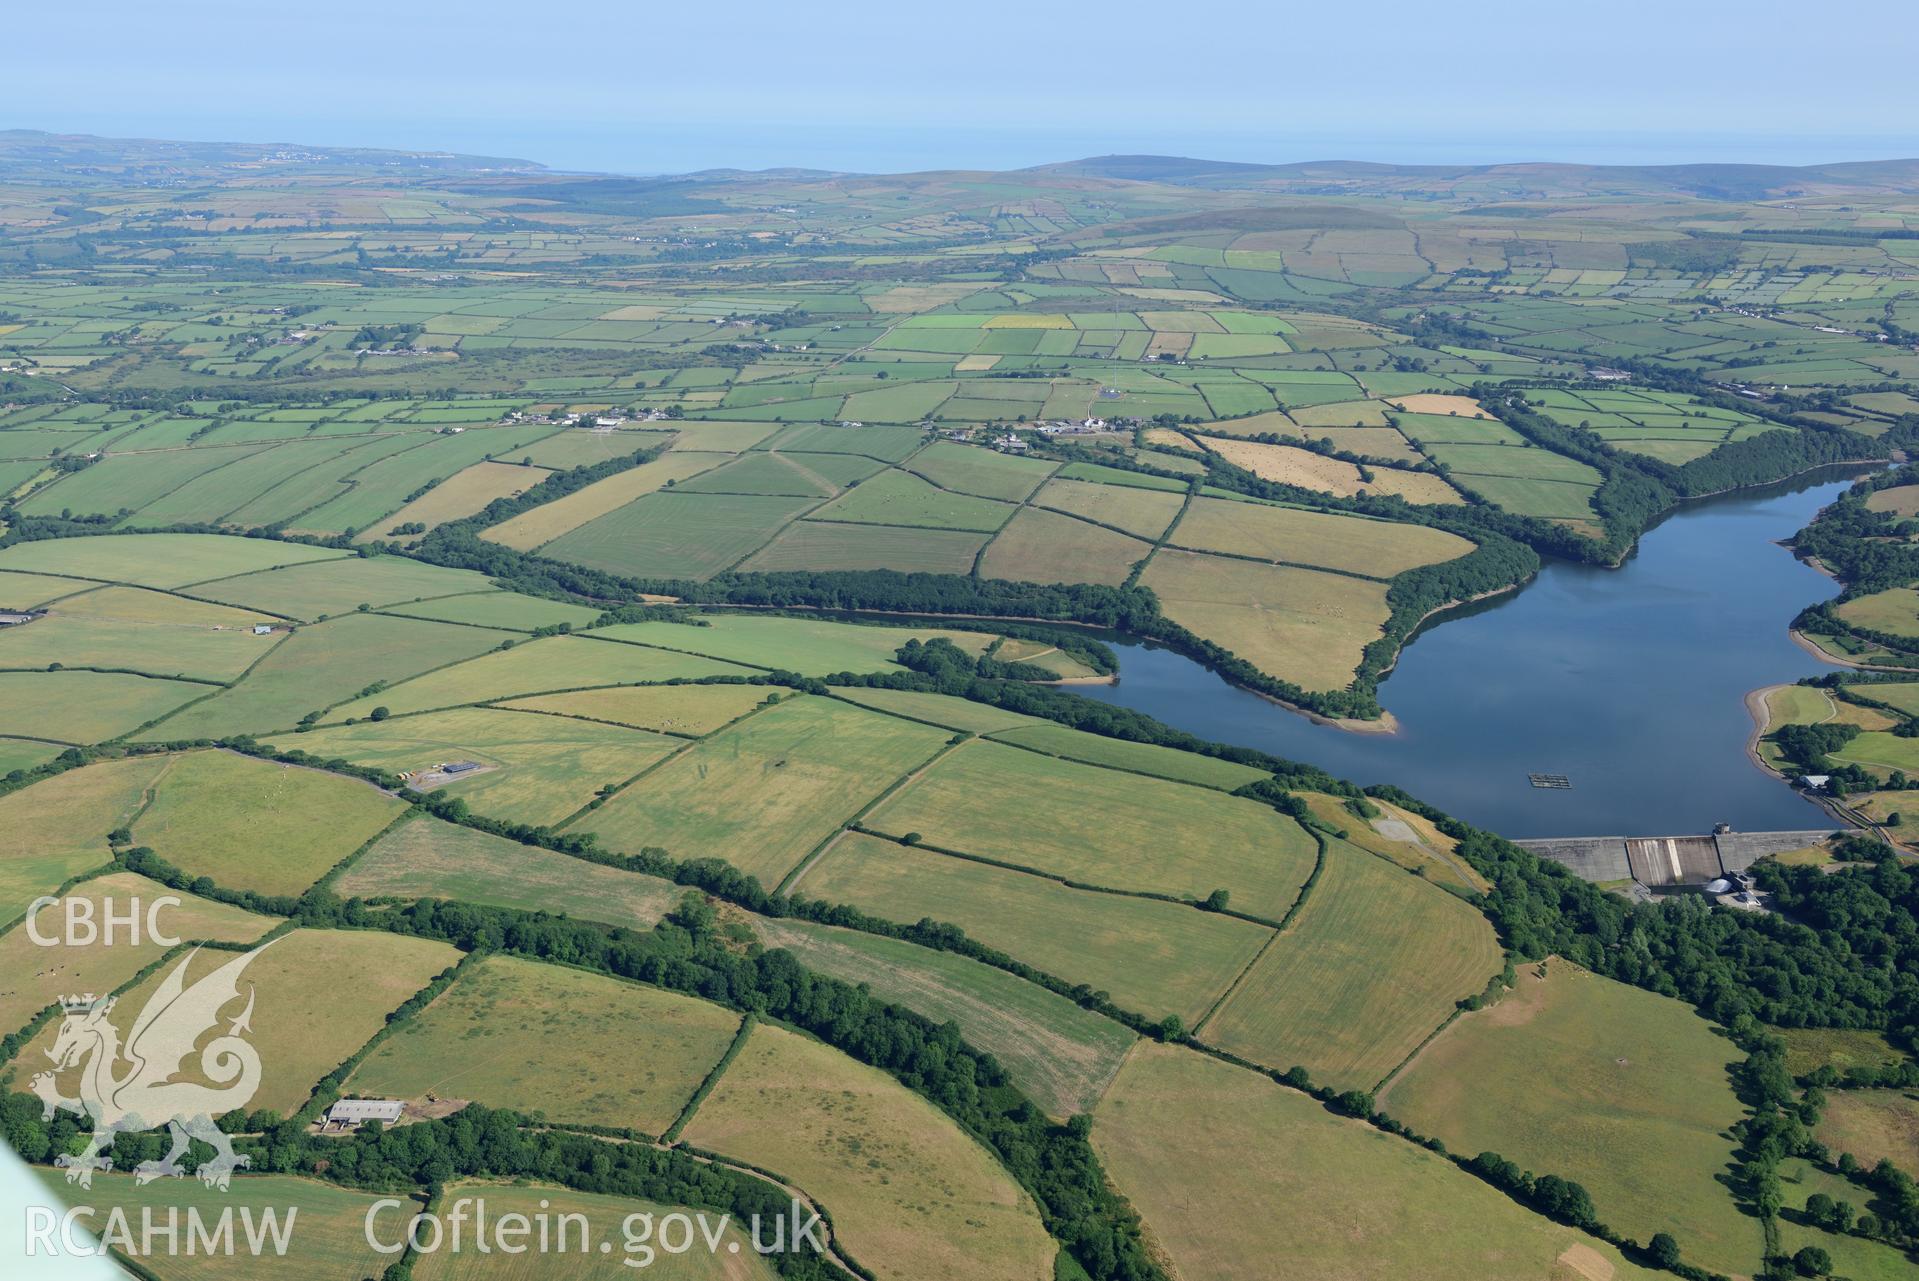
column 263, row 629
column 459, row 767
column 348, row 1113
column 14, row 620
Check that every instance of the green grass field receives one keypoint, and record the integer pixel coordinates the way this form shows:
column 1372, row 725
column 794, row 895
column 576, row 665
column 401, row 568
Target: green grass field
column 1371, row 966
column 327, row 1242
column 1142, row 512
column 87, row 707
column 825, row 545
column 1184, row 1137
column 157, row 560
column 674, row 535
column 910, row 1194
column 545, row 666
column 1058, row 1054
column 968, row 469
column 1102, row 827
column 1376, row 548
column 554, row 520
column 256, row 825
column 1620, row 1090
column 321, row 665
column 57, row 828
column 1852, row 1257
column 1138, row 758
column 1154, row 957
column 426, row 858
column 901, row 498
column 937, row 709
column 310, row 592
column 810, row 646
column 511, row 611
column 584, row 1049
column 683, row 710
column 764, row 792
column 1895, row 611
column 127, row 627
column 1810, row 1048
column 534, row 769
column 319, row 996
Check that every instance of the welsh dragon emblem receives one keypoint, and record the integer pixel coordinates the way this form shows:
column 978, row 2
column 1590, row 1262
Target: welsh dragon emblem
column 144, row 1095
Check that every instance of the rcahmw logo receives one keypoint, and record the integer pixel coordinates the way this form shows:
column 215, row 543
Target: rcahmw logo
column 83, row 923
column 160, row 1230
column 133, row 1087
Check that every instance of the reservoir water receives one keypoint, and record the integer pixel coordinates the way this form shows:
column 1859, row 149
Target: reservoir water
column 1631, row 682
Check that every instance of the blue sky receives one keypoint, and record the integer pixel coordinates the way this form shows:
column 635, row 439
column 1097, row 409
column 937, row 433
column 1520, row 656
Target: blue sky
column 648, row 87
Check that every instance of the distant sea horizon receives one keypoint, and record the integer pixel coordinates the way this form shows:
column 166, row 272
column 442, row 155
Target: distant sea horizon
column 646, row 149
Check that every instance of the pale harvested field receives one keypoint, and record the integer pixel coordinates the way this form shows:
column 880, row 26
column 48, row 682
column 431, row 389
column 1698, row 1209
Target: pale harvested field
column 911, row 1195
column 34, row 975
column 1343, row 413
column 668, row 709
column 1270, row 423
column 1233, row 1173
column 1039, row 546
column 1167, row 436
column 1059, row 1055
column 1300, row 625
column 1377, row 548
column 1286, row 465
column 321, row 995
column 1436, row 403
column 545, row 523
column 457, row 497
column 1900, row 500
column 585, row 1049
column 1144, row 512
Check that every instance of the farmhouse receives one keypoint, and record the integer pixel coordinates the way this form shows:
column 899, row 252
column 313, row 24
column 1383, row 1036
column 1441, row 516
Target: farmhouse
column 263, row 629
column 348, row 1113
column 1606, row 375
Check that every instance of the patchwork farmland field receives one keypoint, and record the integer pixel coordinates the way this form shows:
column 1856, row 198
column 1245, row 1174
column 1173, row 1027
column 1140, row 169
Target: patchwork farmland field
column 1622, row 1090
column 252, row 824
column 426, row 858
column 321, row 995
column 1184, row 1134
column 1373, row 964
column 1297, row 624
column 1118, row 831
column 765, row 792
column 1158, row 957
column 508, row 1032
column 1060, row 1055
column 629, row 492
column 907, row 1189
